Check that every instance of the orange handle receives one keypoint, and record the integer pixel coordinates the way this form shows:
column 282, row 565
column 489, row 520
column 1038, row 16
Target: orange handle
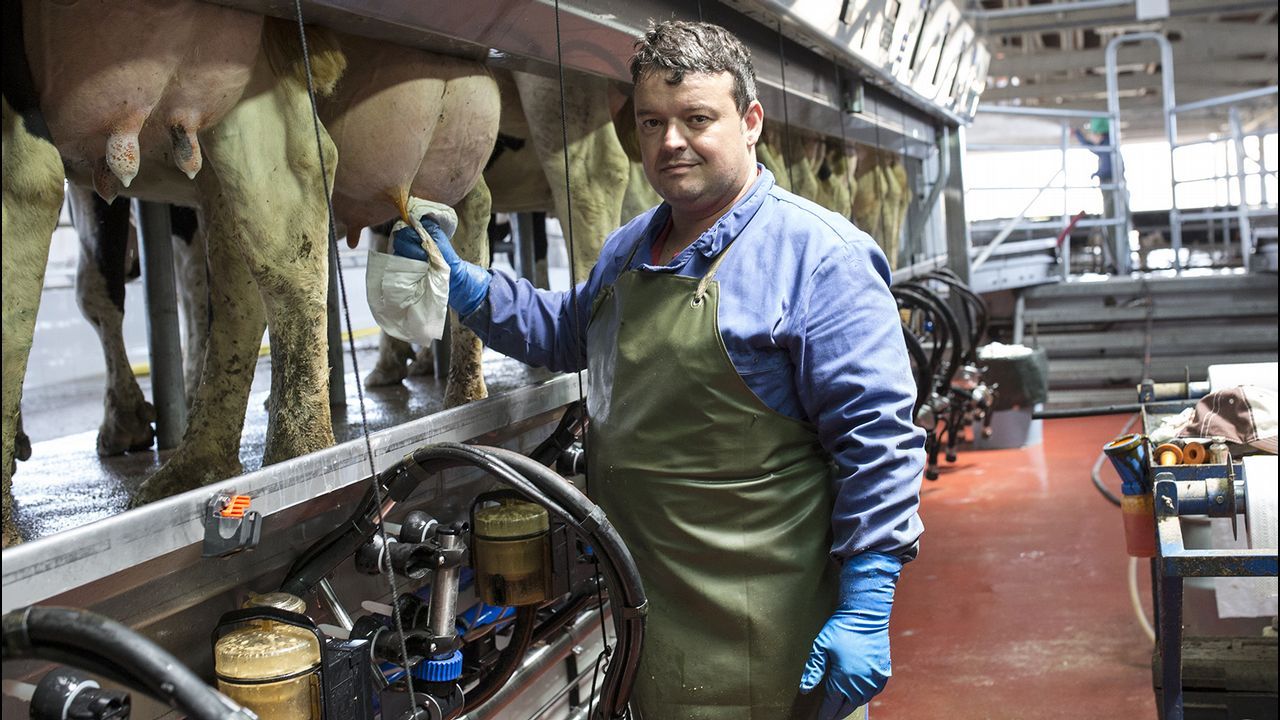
column 1169, row 454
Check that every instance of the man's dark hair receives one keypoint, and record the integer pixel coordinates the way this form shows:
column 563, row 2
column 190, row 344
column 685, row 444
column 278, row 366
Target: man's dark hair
column 676, row 47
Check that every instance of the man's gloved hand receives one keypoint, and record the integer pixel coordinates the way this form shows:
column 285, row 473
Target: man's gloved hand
column 852, row 650
column 468, row 282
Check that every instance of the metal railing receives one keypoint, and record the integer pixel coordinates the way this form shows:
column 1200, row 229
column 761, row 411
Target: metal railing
column 1241, row 169
column 1059, row 183
column 1233, row 147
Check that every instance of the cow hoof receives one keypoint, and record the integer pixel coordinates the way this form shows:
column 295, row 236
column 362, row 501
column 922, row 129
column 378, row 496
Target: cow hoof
column 22, row 447
column 126, row 430
column 422, row 367
column 385, row 375
column 179, row 477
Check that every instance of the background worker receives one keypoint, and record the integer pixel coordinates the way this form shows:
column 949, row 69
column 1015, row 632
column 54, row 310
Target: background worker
column 1096, row 135
column 751, row 432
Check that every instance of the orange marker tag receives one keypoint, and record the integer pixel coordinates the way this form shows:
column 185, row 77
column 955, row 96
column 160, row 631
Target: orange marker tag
column 236, row 506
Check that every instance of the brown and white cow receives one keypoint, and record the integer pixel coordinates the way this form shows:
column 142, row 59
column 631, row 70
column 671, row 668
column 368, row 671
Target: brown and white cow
column 405, row 122
column 203, row 107
column 528, row 174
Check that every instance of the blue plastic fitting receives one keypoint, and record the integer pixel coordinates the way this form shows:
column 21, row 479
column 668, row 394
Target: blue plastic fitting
column 445, row 670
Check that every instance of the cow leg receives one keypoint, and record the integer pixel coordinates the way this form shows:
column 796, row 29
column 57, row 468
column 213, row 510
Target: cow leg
column 32, row 197
column 597, row 163
column 268, row 180
column 100, row 277
column 192, row 268
column 210, row 448
column 466, row 379
column 267, row 222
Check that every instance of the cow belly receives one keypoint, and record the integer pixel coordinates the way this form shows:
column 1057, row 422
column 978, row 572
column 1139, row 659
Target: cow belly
column 407, row 122
column 134, row 104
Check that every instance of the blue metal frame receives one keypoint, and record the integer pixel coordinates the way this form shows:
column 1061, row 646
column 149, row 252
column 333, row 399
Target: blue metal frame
column 1174, row 561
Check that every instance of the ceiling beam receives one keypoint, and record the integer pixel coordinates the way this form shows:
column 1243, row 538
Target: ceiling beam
column 1184, row 51
column 1248, row 75
column 1115, row 16
column 1150, row 102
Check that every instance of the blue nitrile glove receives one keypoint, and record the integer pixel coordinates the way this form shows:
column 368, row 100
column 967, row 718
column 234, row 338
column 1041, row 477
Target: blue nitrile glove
column 468, row 282
column 852, row 650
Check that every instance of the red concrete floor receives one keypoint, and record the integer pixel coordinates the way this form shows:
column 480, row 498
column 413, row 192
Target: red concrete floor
column 1018, row 607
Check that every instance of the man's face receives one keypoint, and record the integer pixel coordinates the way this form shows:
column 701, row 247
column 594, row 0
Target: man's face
column 698, row 151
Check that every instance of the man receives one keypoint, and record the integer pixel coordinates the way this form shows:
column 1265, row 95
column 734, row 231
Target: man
column 750, row 399
column 1097, row 137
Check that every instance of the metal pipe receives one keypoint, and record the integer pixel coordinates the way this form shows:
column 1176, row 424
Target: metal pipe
column 444, row 589
column 1065, row 141
column 1045, row 9
column 1086, row 411
column 1227, row 99
column 1243, row 224
column 522, row 241
column 1171, row 135
column 155, row 252
column 919, row 216
column 333, row 316
column 1038, row 111
column 335, row 606
column 1011, row 226
column 1019, row 314
column 1105, row 186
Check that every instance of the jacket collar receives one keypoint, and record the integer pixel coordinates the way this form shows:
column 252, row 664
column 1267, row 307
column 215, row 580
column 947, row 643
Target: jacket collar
column 729, row 226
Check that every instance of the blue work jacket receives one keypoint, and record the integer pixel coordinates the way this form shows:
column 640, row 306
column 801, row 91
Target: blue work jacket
column 808, row 321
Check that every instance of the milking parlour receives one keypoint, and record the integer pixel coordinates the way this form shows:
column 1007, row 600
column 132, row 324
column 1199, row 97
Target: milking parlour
column 646, row 360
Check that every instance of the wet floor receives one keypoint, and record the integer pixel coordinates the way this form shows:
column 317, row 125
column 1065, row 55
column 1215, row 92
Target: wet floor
column 65, row 484
column 1017, row 607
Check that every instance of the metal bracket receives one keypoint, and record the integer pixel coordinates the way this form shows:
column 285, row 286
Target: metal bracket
column 228, row 528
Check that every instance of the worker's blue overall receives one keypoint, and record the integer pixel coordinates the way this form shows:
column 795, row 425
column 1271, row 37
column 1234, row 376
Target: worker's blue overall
column 724, row 503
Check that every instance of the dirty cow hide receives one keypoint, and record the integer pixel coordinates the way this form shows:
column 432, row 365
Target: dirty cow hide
column 528, row 175
column 205, row 107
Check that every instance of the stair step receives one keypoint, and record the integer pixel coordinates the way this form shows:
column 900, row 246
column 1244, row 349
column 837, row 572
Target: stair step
column 1263, row 284
column 1076, row 315
column 1060, row 398
column 1165, row 340
column 1106, row 372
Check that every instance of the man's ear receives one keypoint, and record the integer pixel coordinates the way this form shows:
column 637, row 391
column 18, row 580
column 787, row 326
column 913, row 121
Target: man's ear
column 753, row 122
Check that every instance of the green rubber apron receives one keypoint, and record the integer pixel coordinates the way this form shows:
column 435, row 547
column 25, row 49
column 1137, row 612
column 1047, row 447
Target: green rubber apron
column 724, row 503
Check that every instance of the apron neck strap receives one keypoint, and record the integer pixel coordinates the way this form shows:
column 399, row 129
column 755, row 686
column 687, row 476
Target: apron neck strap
column 711, row 273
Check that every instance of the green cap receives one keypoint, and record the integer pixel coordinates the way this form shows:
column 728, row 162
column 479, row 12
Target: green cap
column 1099, row 125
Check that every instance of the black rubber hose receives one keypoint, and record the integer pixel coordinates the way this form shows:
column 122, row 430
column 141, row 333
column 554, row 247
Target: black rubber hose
column 975, row 303
column 105, row 647
column 539, row 484
column 924, row 296
column 400, row 480
column 567, row 431
column 916, row 353
column 339, row 544
column 509, row 659
column 953, row 325
column 945, row 334
column 939, row 339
